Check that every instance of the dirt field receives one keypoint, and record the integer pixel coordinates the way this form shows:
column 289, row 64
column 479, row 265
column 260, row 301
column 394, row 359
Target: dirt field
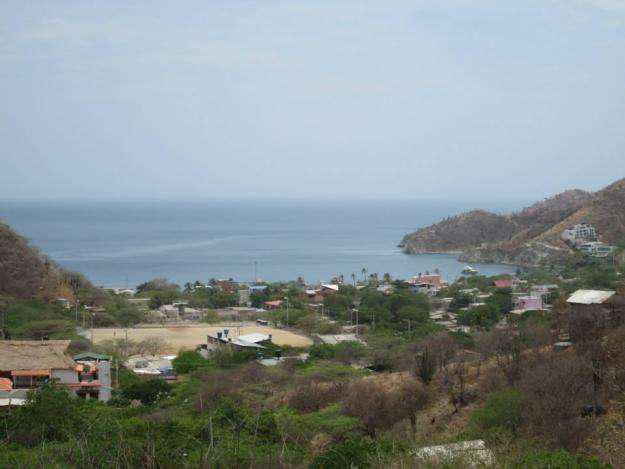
column 190, row 336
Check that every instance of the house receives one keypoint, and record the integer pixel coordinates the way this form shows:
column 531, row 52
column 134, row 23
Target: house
column 385, row 289
column 26, row 364
column 336, row 338
column 527, row 303
column 180, row 310
column 312, row 295
column 579, row 234
column 503, row 283
column 592, row 310
column 95, row 369
column 328, row 289
column 151, row 365
column 229, row 286
column 273, row 304
column 253, row 341
column 170, row 312
column 596, row 249
column 434, row 280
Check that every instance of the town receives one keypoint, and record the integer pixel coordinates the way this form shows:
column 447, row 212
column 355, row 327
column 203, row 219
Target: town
column 431, row 337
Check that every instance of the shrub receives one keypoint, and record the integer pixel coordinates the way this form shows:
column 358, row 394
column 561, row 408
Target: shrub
column 147, row 391
column 189, row 361
column 558, row 459
column 322, row 351
column 502, row 409
column 354, row 452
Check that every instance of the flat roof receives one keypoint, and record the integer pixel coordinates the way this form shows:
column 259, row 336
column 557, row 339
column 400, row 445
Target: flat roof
column 590, row 297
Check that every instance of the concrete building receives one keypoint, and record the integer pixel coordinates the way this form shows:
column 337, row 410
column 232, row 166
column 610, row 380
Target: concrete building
column 596, row 249
column 579, row 234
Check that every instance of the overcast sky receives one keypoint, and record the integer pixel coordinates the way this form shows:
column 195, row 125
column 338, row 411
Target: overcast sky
column 337, row 98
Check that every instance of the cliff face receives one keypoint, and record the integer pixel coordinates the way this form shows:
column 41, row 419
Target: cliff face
column 529, row 237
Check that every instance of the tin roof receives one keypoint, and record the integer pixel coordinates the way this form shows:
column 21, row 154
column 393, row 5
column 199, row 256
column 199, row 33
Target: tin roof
column 590, row 297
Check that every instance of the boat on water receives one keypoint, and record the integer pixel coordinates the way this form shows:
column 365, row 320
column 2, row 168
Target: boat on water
column 470, row 270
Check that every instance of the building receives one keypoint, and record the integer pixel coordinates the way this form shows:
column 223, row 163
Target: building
column 386, row 289
column 504, row 283
column 27, row 364
column 433, row 281
column 336, row 338
column 596, row 249
column 328, row 289
column 273, row 304
column 313, row 296
column 593, row 310
column 527, row 303
column 253, row 341
column 244, row 296
column 579, row 234
column 237, row 313
column 180, row 310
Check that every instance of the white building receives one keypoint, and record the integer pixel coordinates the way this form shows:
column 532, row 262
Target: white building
column 596, row 249
column 580, row 233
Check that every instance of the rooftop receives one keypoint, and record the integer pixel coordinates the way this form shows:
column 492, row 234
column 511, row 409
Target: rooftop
column 34, row 355
column 590, row 297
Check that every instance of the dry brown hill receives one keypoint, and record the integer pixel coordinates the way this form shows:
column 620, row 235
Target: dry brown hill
column 528, row 237
column 26, row 273
column 605, row 211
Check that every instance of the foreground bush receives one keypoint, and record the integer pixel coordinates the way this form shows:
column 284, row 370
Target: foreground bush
column 559, row 459
column 502, row 409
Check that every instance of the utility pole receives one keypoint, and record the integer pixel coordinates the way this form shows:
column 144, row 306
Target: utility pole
column 287, row 310
column 356, row 311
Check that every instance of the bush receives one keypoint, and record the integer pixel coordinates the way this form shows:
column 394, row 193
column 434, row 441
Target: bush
column 354, row 452
column 147, row 391
column 502, row 409
column 51, row 414
column 558, row 459
column 189, row 361
column 322, row 351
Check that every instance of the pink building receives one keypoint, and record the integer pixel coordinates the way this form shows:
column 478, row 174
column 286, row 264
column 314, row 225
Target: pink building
column 528, row 302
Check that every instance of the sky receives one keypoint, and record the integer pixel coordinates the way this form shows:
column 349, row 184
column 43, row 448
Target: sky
column 335, row 99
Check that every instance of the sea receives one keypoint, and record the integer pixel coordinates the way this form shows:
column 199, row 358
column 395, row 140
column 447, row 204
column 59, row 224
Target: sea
column 124, row 243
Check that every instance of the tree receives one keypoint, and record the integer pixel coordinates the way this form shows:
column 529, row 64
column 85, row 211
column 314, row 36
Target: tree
column 147, row 391
column 556, row 389
column 410, row 397
column 370, row 402
column 426, row 366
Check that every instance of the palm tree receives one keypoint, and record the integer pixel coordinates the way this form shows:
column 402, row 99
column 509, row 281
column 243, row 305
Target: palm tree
column 353, row 276
column 364, row 274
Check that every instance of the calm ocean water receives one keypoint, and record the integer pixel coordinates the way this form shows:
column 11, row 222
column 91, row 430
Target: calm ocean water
column 126, row 243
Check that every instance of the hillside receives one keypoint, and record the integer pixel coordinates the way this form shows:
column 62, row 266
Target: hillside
column 528, row 237
column 606, row 211
column 26, row 273
column 460, row 232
